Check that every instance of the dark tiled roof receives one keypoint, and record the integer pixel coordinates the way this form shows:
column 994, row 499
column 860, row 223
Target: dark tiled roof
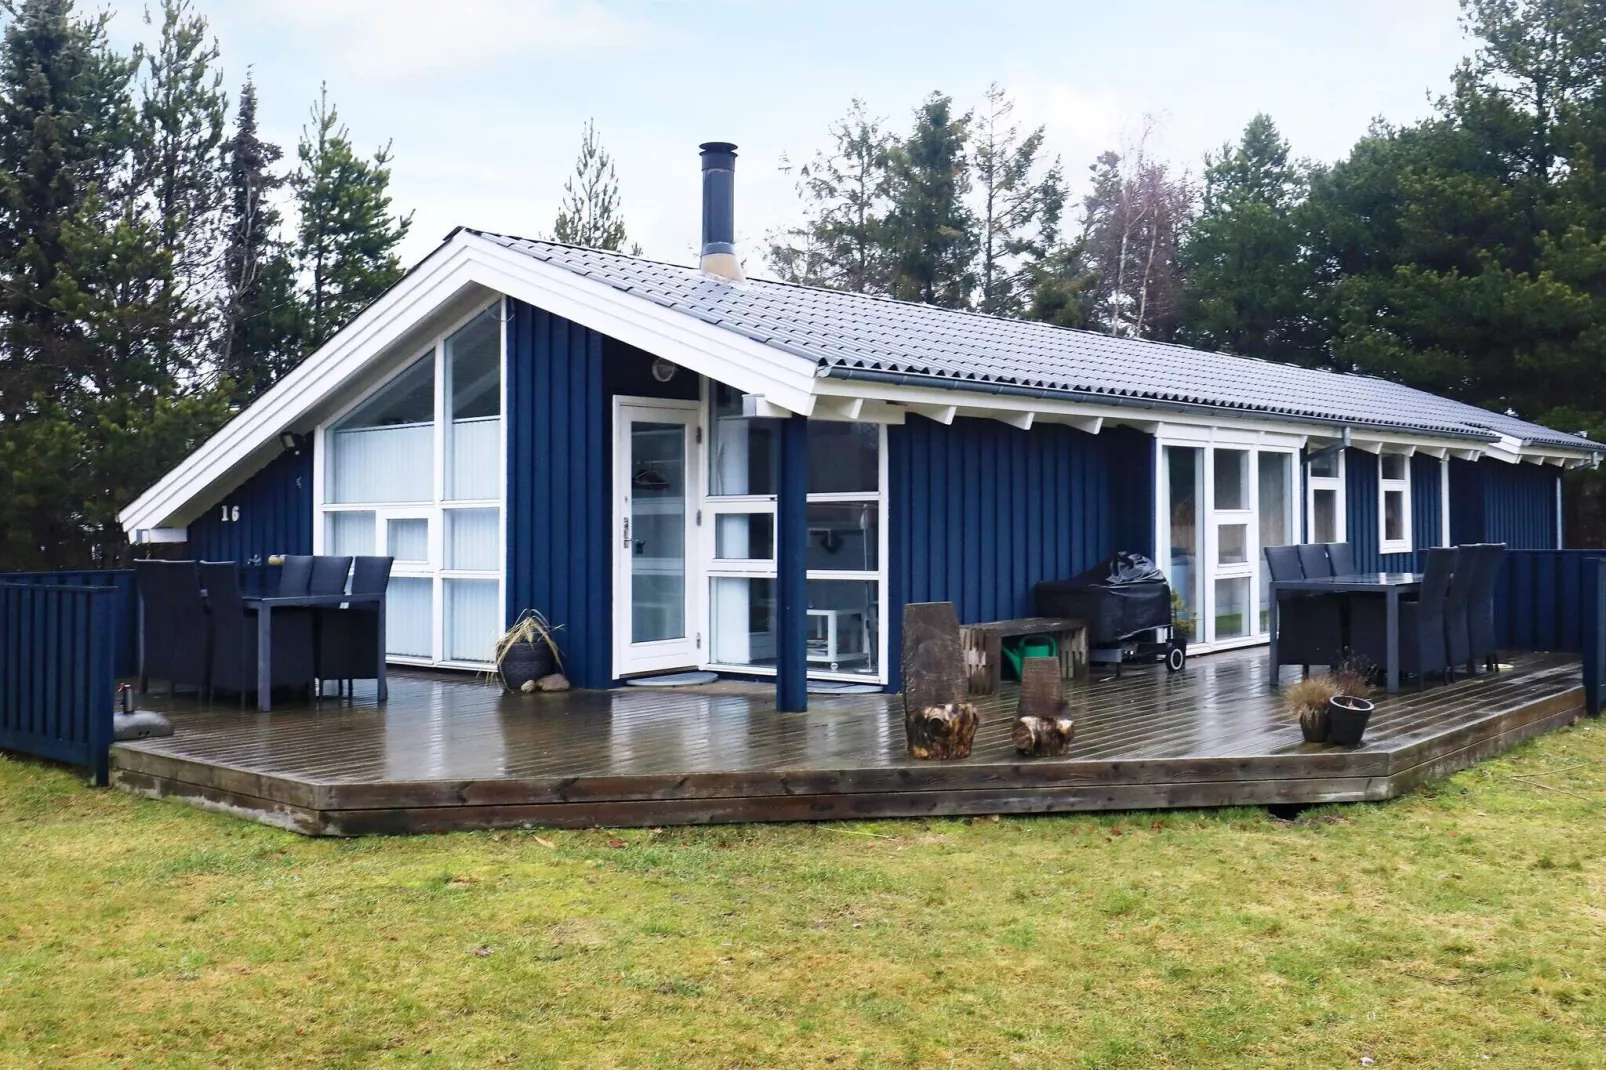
column 846, row 334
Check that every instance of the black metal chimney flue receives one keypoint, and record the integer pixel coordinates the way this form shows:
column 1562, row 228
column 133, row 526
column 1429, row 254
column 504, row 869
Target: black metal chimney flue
column 719, row 211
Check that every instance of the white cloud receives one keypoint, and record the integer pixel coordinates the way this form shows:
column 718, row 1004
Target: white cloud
column 401, row 39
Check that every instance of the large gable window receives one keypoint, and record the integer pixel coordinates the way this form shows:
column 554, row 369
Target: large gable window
column 400, row 482
column 1394, row 503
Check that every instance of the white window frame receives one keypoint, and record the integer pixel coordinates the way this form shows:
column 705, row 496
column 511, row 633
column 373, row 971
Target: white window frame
column 1207, row 440
column 1385, row 487
column 1314, row 483
column 435, row 509
column 711, row 567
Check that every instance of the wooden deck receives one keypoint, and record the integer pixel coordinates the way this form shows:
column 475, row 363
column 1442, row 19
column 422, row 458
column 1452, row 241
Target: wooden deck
column 449, row 753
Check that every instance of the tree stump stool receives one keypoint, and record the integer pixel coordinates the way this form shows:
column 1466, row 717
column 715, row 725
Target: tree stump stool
column 938, row 721
column 1043, row 727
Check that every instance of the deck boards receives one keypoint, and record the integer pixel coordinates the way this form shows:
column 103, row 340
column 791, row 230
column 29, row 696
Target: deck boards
column 448, row 752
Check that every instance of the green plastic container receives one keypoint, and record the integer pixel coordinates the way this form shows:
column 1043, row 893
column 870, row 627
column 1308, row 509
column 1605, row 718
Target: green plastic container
column 1028, row 646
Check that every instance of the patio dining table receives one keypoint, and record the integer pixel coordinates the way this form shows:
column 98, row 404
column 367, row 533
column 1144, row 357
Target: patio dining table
column 265, row 606
column 1391, row 585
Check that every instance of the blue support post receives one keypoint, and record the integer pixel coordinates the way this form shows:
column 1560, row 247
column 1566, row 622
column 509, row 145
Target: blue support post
column 1594, row 633
column 791, row 559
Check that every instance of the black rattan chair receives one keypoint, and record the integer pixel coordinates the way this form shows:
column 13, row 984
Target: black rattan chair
column 295, row 575
column 329, row 575
column 1342, row 557
column 1457, row 602
column 349, row 643
column 1314, row 561
column 1422, row 622
column 1309, row 627
column 175, row 631
column 234, row 650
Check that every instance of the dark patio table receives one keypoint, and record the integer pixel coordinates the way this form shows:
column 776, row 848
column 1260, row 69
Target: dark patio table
column 1391, row 585
column 265, row 608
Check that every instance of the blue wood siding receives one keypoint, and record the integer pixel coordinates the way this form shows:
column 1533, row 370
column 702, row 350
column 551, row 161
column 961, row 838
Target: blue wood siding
column 559, row 501
column 1363, row 524
column 275, row 514
column 980, row 511
column 56, row 672
column 1492, row 501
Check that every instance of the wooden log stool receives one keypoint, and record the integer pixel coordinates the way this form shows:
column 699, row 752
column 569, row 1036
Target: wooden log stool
column 937, row 720
column 1043, row 727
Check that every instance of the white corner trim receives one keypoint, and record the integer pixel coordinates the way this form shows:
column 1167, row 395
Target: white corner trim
column 148, row 536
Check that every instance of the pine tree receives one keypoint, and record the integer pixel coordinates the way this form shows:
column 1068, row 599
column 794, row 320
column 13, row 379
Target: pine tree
column 178, row 171
column 1020, row 212
column 347, row 238
column 590, row 212
column 259, row 335
column 931, row 233
column 1249, row 283
column 845, row 192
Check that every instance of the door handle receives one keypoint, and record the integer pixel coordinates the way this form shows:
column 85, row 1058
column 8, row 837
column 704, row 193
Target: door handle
column 627, row 533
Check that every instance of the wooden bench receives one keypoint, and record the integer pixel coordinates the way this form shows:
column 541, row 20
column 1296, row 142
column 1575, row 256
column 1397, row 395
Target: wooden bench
column 983, row 645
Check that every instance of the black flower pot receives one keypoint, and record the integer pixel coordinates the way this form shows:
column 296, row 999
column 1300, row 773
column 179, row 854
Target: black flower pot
column 523, row 662
column 1347, row 717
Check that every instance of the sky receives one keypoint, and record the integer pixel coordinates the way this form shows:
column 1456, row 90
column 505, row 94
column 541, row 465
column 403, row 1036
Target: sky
column 483, row 101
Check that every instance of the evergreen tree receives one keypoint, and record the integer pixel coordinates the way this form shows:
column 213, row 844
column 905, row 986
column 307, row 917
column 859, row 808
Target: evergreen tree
column 178, row 172
column 347, row 238
column 931, row 233
column 842, row 243
column 590, row 212
column 1020, row 212
column 1248, row 286
column 260, row 339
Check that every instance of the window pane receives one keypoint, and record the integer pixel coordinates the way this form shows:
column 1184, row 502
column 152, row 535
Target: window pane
column 385, row 450
column 407, row 540
column 1232, row 608
column 744, row 457
column 1324, row 516
column 1276, row 477
column 1393, row 466
column 350, row 534
column 474, row 383
column 1232, row 544
column 844, row 536
column 409, row 616
column 744, row 536
column 844, row 458
column 1232, row 479
column 1325, row 467
column 1184, row 477
column 1394, row 515
column 473, row 619
column 842, row 626
column 742, row 617
column 473, row 540
column 657, row 531
column 474, row 360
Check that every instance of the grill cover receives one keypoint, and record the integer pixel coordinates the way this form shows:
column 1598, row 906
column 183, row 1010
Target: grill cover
column 1117, row 598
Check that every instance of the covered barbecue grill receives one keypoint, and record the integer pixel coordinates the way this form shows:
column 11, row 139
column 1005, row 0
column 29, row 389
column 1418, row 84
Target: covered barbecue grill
column 1126, row 603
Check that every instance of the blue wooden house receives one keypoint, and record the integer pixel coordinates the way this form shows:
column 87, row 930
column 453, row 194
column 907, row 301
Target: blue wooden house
column 684, row 468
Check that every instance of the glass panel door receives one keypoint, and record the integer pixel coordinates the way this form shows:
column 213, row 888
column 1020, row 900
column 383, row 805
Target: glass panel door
column 1183, row 532
column 1232, row 520
column 653, row 483
column 1276, row 479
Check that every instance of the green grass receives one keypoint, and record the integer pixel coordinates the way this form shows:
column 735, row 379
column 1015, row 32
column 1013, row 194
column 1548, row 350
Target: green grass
column 1464, row 925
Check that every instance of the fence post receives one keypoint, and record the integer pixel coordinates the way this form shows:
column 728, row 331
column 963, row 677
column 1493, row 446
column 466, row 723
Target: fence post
column 1594, row 633
column 102, row 685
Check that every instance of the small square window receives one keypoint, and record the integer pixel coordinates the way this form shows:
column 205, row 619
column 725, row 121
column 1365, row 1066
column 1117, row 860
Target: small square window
column 1325, row 467
column 1393, row 466
column 1394, row 516
column 1324, row 516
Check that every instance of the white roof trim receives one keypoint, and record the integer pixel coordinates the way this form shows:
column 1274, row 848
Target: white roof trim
column 453, row 268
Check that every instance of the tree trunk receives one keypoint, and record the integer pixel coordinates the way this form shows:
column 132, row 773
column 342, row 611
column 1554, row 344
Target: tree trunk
column 1043, row 729
column 941, row 732
column 938, row 722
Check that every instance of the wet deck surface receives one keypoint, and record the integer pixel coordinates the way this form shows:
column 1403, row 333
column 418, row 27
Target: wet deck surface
column 450, row 752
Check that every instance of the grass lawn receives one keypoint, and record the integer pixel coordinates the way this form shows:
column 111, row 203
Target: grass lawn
column 1462, row 926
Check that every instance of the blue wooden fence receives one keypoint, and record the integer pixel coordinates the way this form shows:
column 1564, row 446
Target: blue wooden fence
column 124, row 612
column 1556, row 600
column 57, row 683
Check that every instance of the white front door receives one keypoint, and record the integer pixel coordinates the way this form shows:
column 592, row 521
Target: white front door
column 655, row 502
